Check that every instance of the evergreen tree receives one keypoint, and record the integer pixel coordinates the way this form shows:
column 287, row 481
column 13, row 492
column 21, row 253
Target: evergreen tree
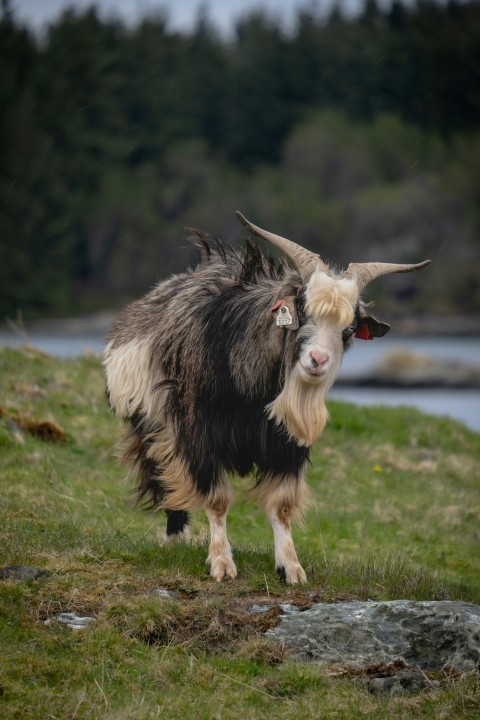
column 113, row 137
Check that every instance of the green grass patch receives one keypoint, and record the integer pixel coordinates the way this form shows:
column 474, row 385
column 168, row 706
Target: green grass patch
column 395, row 514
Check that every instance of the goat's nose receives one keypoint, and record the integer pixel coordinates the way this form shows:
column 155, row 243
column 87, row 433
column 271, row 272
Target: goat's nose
column 318, row 360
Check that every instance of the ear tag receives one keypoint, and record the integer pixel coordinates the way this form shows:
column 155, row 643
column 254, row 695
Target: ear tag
column 283, row 317
column 286, row 316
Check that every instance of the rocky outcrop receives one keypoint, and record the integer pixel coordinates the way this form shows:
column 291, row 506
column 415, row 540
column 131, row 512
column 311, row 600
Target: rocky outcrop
column 404, row 368
column 403, row 641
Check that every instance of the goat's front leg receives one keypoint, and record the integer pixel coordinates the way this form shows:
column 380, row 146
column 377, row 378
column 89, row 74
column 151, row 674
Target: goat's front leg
column 284, row 499
column 220, row 553
column 286, row 561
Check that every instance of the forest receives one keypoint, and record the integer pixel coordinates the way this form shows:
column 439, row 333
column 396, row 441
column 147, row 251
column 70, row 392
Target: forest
column 356, row 136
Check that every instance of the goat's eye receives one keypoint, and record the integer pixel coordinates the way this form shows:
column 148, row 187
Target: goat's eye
column 348, row 332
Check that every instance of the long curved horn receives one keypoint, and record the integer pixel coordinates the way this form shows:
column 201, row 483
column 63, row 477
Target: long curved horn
column 364, row 273
column 305, row 261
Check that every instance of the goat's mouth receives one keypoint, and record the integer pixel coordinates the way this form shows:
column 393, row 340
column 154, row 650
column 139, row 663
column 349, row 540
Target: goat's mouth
column 311, row 374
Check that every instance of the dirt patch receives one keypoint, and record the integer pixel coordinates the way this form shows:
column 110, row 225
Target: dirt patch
column 46, row 429
column 397, row 678
column 204, row 627
column 371, row 671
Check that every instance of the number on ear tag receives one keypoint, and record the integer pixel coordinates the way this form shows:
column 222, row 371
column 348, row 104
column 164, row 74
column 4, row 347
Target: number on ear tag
column 283, row 317
column 286, row 316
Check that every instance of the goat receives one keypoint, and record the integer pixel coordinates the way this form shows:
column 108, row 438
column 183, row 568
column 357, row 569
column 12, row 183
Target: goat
column 223, row 369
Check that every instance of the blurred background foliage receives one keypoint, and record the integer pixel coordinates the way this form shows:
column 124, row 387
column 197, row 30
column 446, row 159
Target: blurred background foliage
column 359, row 137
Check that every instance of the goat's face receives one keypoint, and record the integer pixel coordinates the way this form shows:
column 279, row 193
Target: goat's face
column 330, row 304
column 325, row 307
column 327, row 314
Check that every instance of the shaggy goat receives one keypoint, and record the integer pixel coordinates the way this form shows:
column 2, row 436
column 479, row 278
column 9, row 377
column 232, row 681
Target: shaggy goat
column 224, row 369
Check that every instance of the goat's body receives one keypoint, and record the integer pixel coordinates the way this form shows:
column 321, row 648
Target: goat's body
column 211, row 382
column 172, row 355
column 191, row 367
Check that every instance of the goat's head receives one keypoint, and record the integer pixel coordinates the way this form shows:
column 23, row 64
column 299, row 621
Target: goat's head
column 326, row 314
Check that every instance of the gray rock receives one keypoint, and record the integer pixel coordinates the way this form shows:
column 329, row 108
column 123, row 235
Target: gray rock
column 161, row 592
column 21, row 572
column 285, row 609
column 71, row 620
column 259, row 609
column 427, row 635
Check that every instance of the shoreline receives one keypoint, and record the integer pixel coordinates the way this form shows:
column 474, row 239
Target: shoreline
column 99, row 323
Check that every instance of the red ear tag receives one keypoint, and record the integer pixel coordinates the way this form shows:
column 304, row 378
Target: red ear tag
column 362, row 333
column 277, row 305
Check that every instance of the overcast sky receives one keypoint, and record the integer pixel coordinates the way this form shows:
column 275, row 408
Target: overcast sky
column 181, row 13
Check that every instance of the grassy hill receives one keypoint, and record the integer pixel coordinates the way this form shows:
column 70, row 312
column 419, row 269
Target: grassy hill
column 395, row 514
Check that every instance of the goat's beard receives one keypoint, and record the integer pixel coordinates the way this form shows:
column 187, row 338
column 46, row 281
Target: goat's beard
column 300, row 407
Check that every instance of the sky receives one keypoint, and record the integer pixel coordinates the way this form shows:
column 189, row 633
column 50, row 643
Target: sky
column 181, row 14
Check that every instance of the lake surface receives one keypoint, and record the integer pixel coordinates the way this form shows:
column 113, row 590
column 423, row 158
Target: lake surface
column 462, row 405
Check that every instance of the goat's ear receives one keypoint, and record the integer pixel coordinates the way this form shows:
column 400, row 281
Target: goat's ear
column 285, row 313
column 369, row 327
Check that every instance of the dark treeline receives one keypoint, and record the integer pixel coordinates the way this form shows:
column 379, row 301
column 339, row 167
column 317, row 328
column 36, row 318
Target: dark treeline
column 358, row 136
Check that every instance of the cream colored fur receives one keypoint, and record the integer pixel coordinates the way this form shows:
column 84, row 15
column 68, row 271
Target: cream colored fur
column 130, row 379
column 220, row 553
column 292, row 494
column 285, row 553
column 331, row 297
column 301, row 408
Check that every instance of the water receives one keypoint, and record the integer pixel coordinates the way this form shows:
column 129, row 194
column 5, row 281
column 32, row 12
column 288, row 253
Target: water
column 462, row 405
column 61, row 346
column 365, row 354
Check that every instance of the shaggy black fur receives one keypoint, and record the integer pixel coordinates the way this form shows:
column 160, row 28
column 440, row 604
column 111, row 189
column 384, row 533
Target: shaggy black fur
column 217, row 393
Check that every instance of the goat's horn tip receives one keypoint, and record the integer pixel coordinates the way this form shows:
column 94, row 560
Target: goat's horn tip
column 246, row 223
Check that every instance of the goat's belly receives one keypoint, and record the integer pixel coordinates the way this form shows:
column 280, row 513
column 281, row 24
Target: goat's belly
column 243, row 444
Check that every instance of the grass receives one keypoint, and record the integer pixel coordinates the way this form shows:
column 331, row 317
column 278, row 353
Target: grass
column 395, row 514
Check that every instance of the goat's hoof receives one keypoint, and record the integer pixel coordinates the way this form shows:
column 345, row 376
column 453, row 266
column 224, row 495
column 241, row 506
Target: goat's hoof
column 222, row 567
column 292, row 574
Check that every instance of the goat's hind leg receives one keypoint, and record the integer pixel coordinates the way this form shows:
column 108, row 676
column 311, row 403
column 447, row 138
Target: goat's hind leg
column 177, row 526
column 151, row 452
